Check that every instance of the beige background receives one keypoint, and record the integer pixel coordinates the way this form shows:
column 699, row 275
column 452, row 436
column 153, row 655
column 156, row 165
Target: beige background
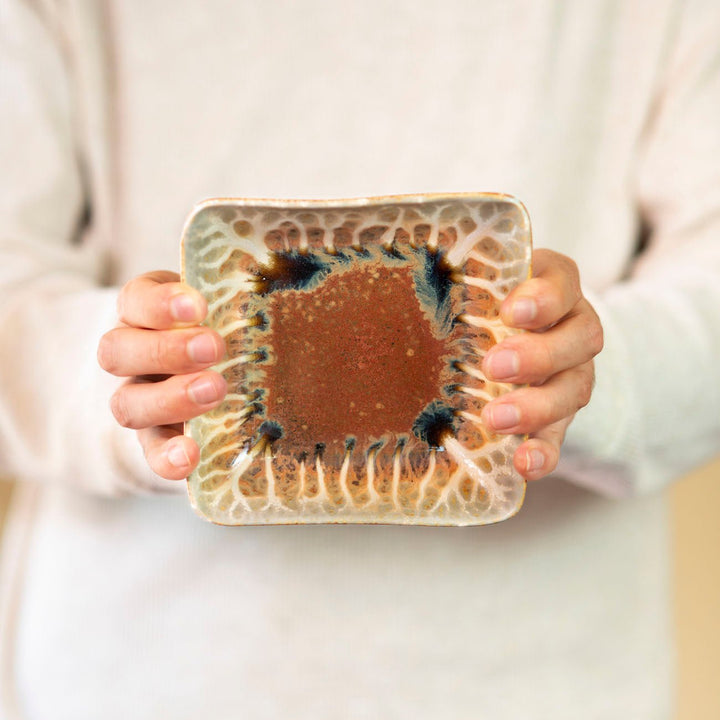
column 696, row 516
column 696, row 509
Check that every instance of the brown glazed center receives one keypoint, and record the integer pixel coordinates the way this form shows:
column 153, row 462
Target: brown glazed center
column 355, row 356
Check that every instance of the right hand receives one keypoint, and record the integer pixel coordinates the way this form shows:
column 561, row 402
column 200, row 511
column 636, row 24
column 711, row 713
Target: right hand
column 161, row 348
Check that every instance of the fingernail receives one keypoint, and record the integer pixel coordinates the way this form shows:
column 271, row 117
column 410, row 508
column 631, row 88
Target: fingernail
column 202, row 349
column 177, row 456
column 504, row 364
column 504, row 416
column 184, row 309
column 524, row 311
column 534, row 460
column 203, row 391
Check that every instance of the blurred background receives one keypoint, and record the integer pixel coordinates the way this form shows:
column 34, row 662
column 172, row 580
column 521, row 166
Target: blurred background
column 695, row 502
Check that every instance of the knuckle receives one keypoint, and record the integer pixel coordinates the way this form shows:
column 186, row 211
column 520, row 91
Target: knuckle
column 571, row 267
column 538, row 360
column 544, row 362
column 596, row 335
column 533, row 407
column 571, row 274
column 585, row 387
column 589, row 330
column 122, row 300
column 106, row 355
column 163, row 405
column 574, row 280
column 120, row 410
column 170, row 350
column 537, row 356
column 556, row 409
column 159, row 351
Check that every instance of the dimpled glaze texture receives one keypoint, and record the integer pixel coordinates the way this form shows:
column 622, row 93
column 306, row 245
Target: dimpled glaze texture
column 355, row 332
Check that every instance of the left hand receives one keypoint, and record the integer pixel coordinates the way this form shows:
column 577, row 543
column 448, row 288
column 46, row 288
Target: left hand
column 555, row 359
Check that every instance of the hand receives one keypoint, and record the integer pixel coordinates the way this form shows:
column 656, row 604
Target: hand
column 555, row 358
column 161, row 348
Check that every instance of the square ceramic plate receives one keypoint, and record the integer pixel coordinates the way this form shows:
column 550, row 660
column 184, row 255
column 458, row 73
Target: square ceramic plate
column 355, row 333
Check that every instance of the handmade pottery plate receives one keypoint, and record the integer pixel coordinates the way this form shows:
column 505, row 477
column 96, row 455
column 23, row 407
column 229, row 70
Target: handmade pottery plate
column 355, row 332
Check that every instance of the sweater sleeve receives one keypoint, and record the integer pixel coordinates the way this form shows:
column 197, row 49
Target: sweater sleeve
column 55, row 425
column 655, row 412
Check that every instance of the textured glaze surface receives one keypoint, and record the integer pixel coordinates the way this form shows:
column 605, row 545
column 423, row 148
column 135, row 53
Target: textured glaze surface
column 355, row 332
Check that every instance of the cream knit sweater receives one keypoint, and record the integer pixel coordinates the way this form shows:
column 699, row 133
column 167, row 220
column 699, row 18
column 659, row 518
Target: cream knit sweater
column 116, row 116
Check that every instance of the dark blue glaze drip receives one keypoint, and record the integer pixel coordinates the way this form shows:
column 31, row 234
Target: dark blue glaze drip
column 433, row 423
column 291, row 271
column 433, row 282
column 392, row 253
column 256, row 408
column 271, row 430
column 377, row 445
column 262, row 321
column 338, row 256
column 361, row 251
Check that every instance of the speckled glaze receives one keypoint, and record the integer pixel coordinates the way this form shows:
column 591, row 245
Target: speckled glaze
column 355, row 332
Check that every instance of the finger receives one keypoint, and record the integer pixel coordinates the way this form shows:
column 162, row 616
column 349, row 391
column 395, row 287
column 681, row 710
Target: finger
column 547, row 297
column 534, row 357
column 157, row 300
column 168, row 452
column 140, row 405
column 129, row 351
column 539, row 455
column 529, row 409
